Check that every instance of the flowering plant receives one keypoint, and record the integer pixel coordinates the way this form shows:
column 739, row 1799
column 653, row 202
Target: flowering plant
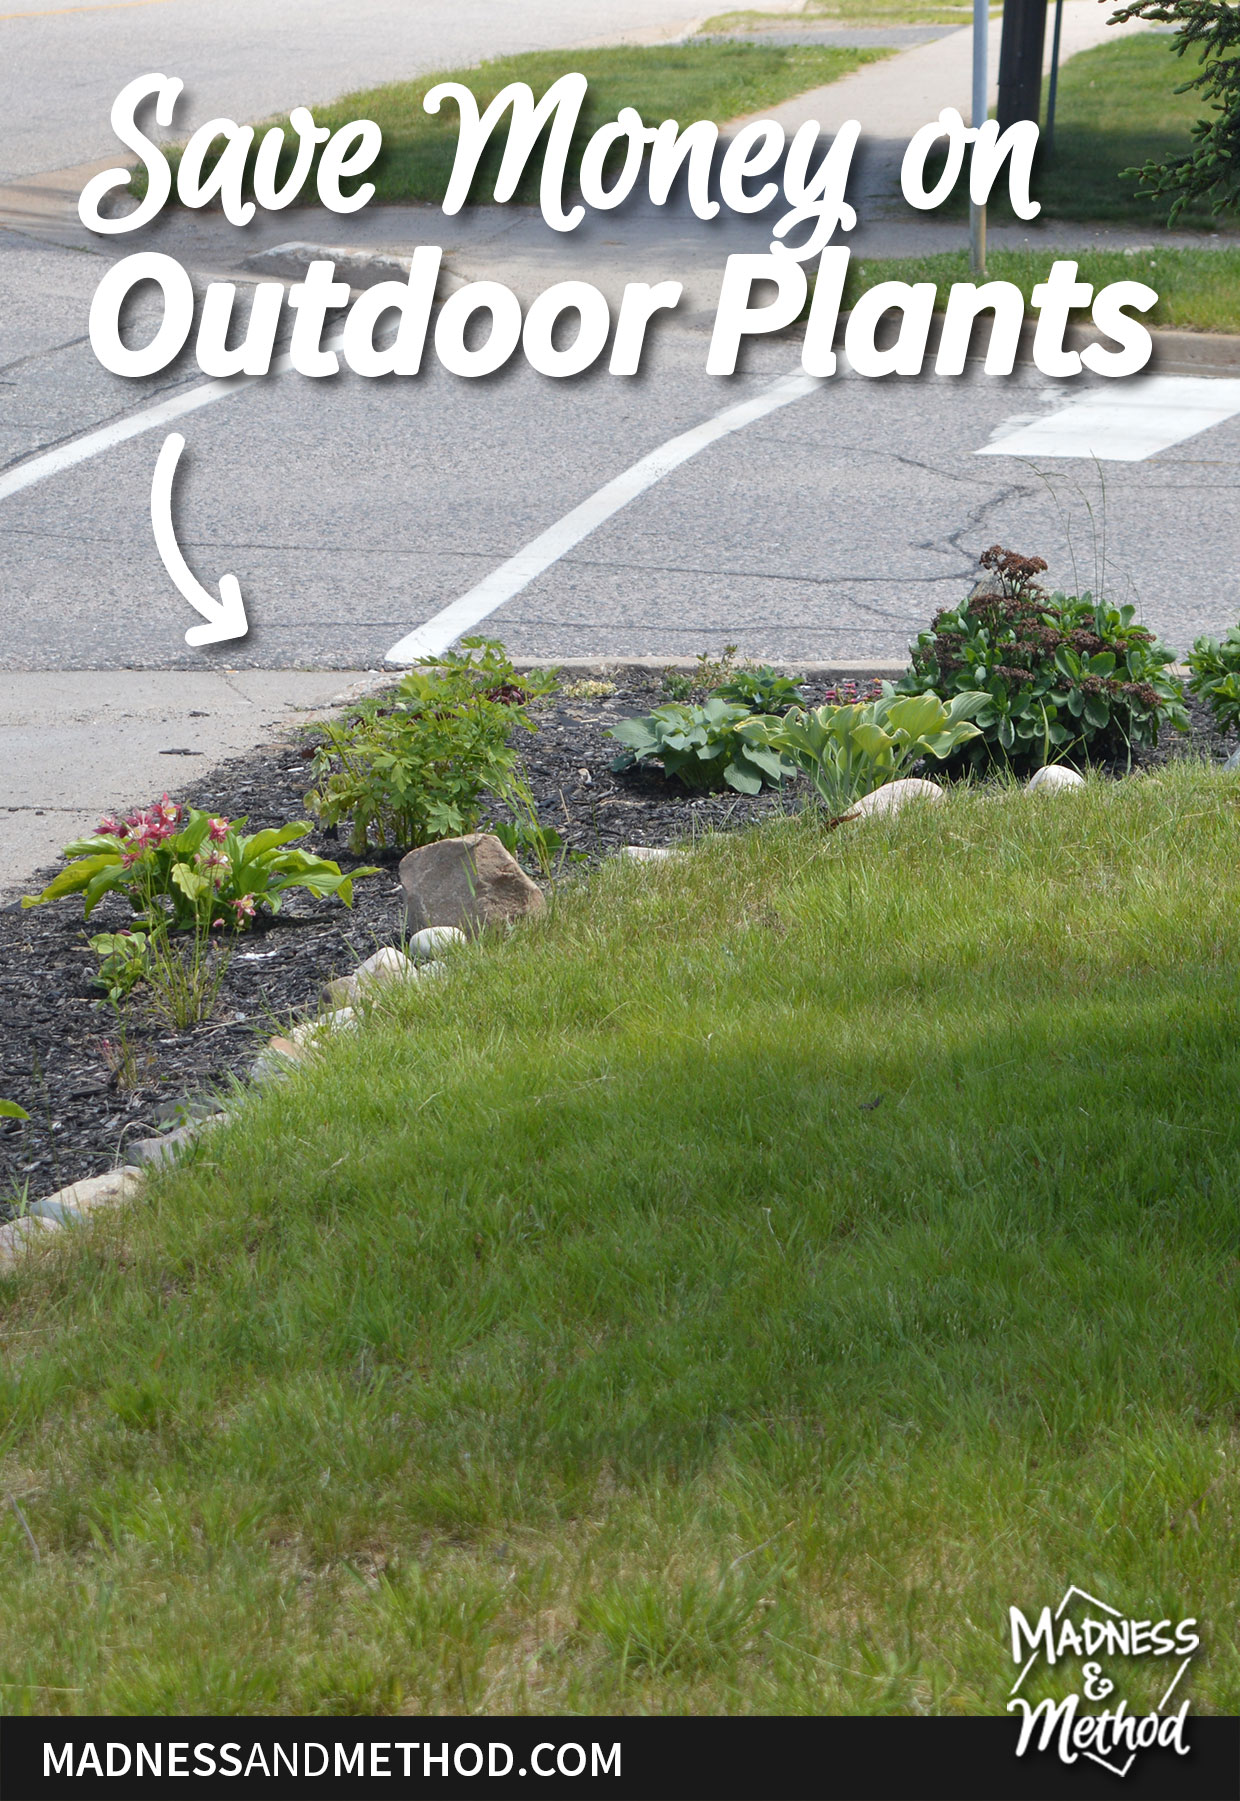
column 1063, row 674
column 184, row 868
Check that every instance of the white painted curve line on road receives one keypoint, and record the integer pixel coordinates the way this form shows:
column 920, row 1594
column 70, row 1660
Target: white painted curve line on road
column 1125, row 423
column 80, row 450
column 435, row 635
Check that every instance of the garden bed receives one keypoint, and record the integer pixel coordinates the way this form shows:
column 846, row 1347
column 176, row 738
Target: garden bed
column 93, row 1080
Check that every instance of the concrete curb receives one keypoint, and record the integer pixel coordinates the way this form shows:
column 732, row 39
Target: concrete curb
column 605, row 670
column 609, row 668
column 1175, row 352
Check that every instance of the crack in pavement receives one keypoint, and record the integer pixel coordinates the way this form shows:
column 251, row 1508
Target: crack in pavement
column 151, row 396
column 33, row 356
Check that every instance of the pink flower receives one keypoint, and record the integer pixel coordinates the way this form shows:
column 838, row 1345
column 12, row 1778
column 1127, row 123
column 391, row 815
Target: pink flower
column 215, row 861
column 167, row 811
column 110, row 828
column 244, row 907
column 217, row 830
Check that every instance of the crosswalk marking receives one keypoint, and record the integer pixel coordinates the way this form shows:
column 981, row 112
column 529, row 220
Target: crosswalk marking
column 1124, row 423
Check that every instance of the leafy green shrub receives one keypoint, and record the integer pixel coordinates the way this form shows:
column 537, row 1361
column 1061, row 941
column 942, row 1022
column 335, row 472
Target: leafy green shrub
column 180, row 868
column 411, row 767
column 1062, row 673
column 760, row 690
column 1215, row 678
column 848, row 751
column 701, row 747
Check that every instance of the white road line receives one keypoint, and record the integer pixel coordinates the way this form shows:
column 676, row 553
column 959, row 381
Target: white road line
column 435, row 635
column 1125, row 423
column 80, row 450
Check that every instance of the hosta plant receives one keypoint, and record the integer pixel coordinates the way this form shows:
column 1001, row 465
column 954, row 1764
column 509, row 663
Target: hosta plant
column 1215, row 677
column 413, row 766
column 181, row 868
column 1063, row 674
column 702, row 747
column 848, row 751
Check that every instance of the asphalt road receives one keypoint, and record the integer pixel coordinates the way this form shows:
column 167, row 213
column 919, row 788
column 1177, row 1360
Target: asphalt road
column 351, row 511
column 62, row 65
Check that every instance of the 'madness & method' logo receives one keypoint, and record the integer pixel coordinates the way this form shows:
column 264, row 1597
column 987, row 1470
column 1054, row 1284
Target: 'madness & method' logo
column 1089, row 1632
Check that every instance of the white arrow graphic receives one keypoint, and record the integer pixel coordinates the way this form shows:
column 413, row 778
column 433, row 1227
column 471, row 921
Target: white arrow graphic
column 225, row 617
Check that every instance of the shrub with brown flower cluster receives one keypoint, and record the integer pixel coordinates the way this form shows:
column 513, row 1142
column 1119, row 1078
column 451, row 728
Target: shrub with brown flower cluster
column 1067, row 676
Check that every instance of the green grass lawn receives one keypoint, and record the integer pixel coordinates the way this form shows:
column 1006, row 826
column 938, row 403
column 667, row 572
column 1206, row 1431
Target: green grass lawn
column 1198, row 290
column 683, row 82
column 730, row 1294
column 1116, row 108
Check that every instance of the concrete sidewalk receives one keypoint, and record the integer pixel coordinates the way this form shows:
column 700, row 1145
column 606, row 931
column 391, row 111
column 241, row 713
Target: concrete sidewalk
column 76, row 745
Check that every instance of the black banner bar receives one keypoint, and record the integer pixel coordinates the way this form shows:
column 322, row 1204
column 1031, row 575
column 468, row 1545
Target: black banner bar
column 867, row 1758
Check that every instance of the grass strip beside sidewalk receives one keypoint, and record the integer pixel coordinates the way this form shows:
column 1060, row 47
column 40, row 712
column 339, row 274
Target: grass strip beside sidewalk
column 1198, row 290
column 844, row 14
column 680, row 81
column 1116, row 108
column 728, row 1294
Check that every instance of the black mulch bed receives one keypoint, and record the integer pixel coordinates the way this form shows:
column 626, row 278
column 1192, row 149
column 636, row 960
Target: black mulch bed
column 61, row 1041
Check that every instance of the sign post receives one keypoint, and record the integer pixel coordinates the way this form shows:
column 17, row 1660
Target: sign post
column 977, row 214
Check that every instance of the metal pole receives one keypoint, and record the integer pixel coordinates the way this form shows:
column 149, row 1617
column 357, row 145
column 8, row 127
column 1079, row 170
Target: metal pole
column 1048, row 135
column 977, row 214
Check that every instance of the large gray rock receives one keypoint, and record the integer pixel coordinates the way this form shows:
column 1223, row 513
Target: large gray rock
column 468, row 882
column 311, row 1031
